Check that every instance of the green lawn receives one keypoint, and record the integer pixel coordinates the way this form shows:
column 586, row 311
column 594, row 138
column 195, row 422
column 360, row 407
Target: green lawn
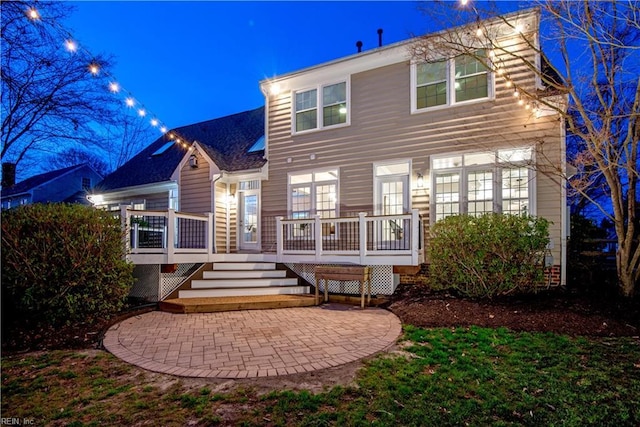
column 465, row 376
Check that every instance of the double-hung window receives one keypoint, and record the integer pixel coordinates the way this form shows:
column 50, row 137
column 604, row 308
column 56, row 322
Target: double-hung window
column 478, row 183
column 449, row 82
column 321, row 107
column 313, row 193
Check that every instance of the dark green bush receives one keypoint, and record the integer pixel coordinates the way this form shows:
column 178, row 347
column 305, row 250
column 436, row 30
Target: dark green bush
column 62, row 264
column 489, row 255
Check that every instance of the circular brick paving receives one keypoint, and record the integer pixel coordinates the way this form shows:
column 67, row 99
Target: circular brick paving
column 256, row 343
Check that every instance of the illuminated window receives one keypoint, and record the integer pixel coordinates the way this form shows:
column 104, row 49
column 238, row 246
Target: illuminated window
column 479, row 183
column 449, row 82
column 312, row 194
column 321, row 107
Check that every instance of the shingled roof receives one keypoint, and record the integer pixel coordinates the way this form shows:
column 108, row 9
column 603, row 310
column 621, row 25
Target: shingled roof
column 226, row 140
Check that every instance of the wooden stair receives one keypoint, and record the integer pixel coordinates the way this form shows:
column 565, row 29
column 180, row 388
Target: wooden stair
column 239, row 286
column 217, row 304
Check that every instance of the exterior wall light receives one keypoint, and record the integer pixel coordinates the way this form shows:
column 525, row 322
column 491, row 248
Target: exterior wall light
column 193, row 161
column 420, row 181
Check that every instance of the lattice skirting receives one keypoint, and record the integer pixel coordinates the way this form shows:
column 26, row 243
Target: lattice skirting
column 146, row 284
column 152, row 285
column 382, row 280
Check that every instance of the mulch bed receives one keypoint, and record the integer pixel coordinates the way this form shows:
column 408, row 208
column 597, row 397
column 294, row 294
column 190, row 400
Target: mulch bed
column 552, row 311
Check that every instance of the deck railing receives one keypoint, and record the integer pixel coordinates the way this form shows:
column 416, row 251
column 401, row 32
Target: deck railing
column 174, row 235
column 358, row 239
column 167, row 237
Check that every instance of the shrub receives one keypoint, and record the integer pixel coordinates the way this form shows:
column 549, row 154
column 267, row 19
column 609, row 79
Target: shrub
column 489, row 255
column 62, row 264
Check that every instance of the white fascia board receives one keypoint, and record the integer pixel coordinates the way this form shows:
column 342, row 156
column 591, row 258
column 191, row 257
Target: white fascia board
column 155, row 187
column 245, row 175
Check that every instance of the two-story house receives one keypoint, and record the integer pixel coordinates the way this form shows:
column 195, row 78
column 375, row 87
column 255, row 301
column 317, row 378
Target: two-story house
column 365, row 152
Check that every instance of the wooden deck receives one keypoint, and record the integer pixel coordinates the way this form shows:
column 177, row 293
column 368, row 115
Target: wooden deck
column 217, row 304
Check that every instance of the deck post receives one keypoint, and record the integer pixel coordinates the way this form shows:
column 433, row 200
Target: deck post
column 171, row 229
column 279, row 239
column 415, row 236
column 211, row 241
column 317, row 237
column 362, row 228
column 124, row 222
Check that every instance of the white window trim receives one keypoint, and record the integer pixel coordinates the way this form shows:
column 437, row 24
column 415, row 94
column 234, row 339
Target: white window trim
column 320, row 105
column 312, row 184
column 376, row 191
column 495, row 167
column 451, row 88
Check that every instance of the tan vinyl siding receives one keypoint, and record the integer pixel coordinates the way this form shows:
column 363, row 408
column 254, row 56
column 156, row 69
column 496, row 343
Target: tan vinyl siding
column 382, row 128
column 195, row 187
column 233, row 219
column 221, row 217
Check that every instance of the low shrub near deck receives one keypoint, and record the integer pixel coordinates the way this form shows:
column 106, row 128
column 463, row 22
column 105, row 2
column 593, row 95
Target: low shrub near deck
column 489, row 255
column 62, row 264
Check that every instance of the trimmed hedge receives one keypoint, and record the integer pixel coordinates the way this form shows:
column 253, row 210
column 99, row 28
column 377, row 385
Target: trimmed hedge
column 62, row 264
column 489, row 255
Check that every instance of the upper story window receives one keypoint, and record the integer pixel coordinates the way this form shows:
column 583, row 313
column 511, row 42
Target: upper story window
column 321, row 107
column 449, row 82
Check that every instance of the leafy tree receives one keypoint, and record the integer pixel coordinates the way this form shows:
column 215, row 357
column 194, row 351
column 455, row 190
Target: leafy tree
column 594, row 88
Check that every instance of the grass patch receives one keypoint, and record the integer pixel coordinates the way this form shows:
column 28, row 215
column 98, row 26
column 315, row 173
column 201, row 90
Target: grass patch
column 463, row 376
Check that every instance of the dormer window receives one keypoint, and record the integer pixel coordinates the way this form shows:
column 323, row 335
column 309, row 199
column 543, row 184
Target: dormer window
column 321, row 107
column 450, row 82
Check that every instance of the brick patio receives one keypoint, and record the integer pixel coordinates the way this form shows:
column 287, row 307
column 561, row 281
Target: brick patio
column 256, row 343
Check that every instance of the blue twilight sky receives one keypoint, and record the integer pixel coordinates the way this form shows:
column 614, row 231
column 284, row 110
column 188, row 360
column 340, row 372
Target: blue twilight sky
column 192, row 61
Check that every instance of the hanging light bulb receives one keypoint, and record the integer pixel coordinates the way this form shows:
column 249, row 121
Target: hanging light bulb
column 33, row 14
column 509, row 84
column 528, row 106
column 464, row 2
column 163, row 129
column 154, row 122
column 71, row 45
column 130, row 102
column 141, row 112
column 94, row 68
column 114, row 87
column 500, row 71
column 520, row 101
column 516, row 93
column 479, row 32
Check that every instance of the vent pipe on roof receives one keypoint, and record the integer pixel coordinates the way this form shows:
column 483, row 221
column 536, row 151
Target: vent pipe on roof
column 379, row 37
column 8, row 174
column 359, row 46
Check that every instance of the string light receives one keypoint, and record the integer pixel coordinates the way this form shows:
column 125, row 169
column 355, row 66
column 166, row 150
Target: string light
column 93, row 67
column 71, row 45
column 516, row 93
column 33, row 14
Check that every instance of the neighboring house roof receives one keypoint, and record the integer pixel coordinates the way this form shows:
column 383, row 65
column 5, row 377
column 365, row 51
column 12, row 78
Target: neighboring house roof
column 226, row 140
column 39, row 180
